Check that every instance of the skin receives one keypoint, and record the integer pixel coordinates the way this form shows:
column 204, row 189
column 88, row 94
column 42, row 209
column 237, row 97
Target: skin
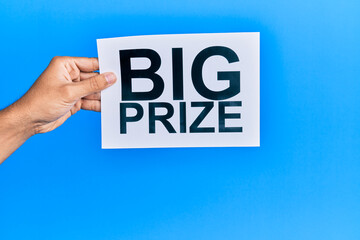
column 67, row 85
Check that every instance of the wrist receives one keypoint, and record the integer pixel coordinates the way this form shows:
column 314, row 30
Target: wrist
column 15, row 129
column 16, row 122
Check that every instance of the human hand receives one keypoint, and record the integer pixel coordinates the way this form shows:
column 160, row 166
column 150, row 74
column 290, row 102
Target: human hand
column 67, row 85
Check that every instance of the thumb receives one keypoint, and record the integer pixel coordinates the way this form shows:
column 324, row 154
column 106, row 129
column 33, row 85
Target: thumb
column 94, row 84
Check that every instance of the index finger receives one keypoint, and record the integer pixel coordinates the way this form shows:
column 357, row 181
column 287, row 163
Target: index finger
column 86, row 64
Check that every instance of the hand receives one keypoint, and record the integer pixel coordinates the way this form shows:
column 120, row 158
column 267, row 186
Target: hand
column 67, row 85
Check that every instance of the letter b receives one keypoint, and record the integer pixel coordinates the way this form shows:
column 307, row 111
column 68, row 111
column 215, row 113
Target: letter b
column 127, row 74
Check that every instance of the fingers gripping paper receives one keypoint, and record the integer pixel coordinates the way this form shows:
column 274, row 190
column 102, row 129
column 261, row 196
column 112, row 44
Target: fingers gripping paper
column 189, row 90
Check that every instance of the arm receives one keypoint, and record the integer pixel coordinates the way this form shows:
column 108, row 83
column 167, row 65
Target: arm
column 67, row 85
column 15, row 129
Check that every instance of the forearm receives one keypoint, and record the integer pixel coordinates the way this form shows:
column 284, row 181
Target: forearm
column 15, row 129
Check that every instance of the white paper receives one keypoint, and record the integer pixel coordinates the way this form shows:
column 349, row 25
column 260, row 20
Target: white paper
column 246, row 47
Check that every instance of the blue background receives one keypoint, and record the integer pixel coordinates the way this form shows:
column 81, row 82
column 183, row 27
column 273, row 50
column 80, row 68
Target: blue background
column 302, row 183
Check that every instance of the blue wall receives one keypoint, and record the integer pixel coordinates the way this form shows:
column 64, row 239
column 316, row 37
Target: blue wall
column 302, row 183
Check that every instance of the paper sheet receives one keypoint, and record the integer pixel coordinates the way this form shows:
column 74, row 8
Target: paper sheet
column 188, row 90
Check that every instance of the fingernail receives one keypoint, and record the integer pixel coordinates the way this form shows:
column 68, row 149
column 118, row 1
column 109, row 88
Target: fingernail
column 110, row 77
